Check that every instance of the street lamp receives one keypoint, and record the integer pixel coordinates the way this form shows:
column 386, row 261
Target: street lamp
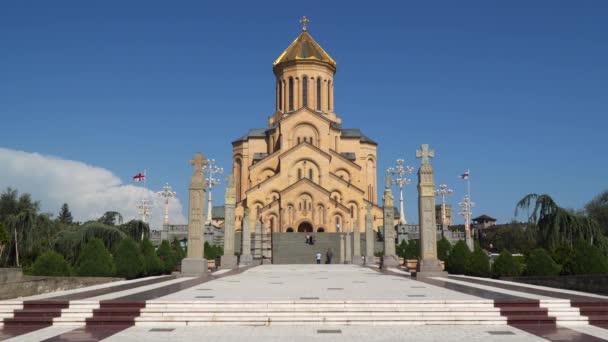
column 211, row 169
column 167, row 193
column 466, row 206
column 399, row 179
column 443, row 191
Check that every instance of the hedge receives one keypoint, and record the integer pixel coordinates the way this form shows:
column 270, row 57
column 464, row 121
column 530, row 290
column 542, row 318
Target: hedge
column 95, row 260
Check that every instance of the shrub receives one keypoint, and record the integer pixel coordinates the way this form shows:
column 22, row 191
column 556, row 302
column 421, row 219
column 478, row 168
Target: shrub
column 540, row 263
column 167, row 256
column 457, row 260
column 588, row 259
column 128, row 260
column 413, row 249
column 564, row 256
column 478, row 264
column 95, row 260
column 152, row 263
column 444, row 248
column 401, row 248
column 212, row 252
column 51, row 264
column 506, row 265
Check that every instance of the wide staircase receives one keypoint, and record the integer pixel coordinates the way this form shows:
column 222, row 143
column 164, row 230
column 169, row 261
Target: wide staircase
column 291, row 248
column 159, row 313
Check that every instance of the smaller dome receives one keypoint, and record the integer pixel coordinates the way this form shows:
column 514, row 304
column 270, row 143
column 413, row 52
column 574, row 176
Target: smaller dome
column 305, row 48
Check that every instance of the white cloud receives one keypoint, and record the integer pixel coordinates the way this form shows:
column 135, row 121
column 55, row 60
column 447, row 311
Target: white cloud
column 90, row 191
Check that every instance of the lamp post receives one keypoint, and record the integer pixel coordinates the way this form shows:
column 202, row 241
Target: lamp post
column 466, row 206
column 211, row 169
column 167, row 193
column 443, row 191
column 398, row 172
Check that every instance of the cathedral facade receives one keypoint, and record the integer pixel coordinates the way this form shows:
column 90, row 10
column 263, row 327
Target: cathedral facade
column 304, row 172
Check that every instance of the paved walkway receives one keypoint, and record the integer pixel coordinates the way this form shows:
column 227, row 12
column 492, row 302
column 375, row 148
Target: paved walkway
column 323, row 282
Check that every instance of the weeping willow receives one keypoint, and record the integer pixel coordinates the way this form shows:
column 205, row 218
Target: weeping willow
column 552, row 225
column 22, row 235
column 136, row 229
column 71, row 242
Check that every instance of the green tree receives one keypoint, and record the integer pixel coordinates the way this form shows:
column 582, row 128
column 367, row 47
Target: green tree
column 506, row 266
column 136, row 229
column 51, row 264
column 588, row 259
column 457, row 260
column 111, row 218
column 553, row 225
column 444, row 247
column 512, row 237
column 597, row 209
column 413, row 250
column 167, row 256
column 65, row 216
column 540, row 263
column 477, row 264
column 70, row 242
column 95, row 260
column 12, row 204
column 180, row 253
column 4, row 238
column 128, row 260
column 564, row 256
column 153, row 264
column 401, row 249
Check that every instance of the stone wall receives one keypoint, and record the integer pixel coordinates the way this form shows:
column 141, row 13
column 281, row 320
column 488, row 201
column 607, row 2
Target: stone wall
column 597, row 284
column 10, row 275
column 31, row 285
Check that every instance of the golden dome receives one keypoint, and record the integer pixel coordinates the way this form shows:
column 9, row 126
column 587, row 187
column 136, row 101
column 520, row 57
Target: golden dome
column 304, row 48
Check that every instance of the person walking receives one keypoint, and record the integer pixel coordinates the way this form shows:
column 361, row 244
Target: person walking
column 328, row 256
column 318, row 255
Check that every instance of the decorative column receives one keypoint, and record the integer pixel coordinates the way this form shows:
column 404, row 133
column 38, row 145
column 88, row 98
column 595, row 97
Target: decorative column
column 370, row 259
column 195, row 264
column 428, row 265
column 348, row 255
column 257, row 237
column 390, row 256
column 246, row 258
column 229, row 260
column 466, row 206
column 342, row 252
column 357, row 244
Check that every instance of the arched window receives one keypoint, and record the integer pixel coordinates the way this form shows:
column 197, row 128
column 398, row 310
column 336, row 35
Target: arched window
column 310, row 174
column 318, row 93
column 291, row 94
column 299, row 174
column 298, row 140
column 305, row 91
column 352, row 211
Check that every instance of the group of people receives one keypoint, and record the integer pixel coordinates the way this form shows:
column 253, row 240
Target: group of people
column 309, row 240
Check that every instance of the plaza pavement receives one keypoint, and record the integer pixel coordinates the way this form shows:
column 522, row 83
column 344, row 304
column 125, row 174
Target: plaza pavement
column 327, row 283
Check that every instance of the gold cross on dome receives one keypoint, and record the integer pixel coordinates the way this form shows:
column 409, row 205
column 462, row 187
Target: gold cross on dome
column 198, row 161
column 304, row 21
column 424, row 153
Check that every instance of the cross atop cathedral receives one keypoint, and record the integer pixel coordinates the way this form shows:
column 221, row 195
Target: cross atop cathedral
column 424, row 153
column 198, row 161
column 304, row 21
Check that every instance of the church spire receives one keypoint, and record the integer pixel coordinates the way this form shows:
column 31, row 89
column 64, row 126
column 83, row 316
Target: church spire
column 304, row 21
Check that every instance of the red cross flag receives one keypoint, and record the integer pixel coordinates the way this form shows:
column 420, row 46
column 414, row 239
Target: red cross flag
column 139, row 177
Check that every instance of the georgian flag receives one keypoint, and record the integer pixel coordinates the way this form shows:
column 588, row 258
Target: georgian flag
column 139, row 177
column 465, row 175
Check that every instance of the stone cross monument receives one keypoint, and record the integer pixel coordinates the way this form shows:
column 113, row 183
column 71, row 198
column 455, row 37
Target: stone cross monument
column 370, row 259
column 246, row 258
column 229, row 260
column 357, row 243
column 195, row 264
column 390, row 256
column 428, row 265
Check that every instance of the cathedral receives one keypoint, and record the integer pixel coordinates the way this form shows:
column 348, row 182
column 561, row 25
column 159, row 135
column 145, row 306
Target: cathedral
column 304, row 172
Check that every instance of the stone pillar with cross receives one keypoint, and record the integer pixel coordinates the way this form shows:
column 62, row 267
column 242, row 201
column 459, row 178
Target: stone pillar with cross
column 370, row 258
column 357, row 243
column 246, row 258
column 428, row 265
column 229, row 260
column 389, row 259
column 195, row 263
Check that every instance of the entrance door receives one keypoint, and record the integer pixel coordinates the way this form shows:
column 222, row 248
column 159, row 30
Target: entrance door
column 305, row 227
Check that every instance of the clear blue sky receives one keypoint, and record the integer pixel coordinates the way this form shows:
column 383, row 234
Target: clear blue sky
column 517, row 91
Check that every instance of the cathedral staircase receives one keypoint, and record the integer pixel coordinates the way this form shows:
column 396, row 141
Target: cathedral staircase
column 157, row 313
column 291, row 248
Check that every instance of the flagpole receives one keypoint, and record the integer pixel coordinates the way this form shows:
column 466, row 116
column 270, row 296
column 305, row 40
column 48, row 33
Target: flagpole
column 469, row 183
